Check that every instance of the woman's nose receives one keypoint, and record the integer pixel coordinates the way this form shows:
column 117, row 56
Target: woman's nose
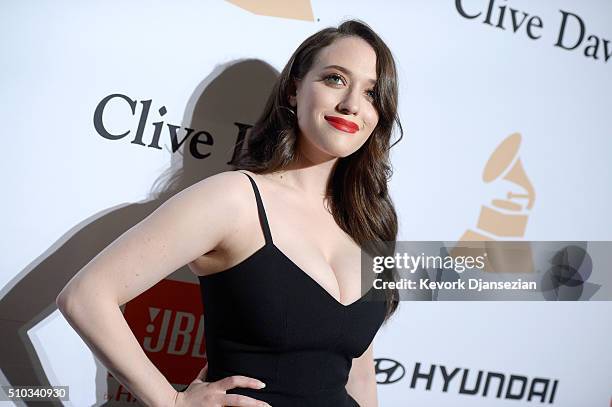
column 350, row 103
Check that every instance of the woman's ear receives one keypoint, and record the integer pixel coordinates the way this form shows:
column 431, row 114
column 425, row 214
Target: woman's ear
column 293, row 90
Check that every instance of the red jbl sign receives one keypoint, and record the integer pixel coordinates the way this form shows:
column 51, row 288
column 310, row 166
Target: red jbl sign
column 168, row 322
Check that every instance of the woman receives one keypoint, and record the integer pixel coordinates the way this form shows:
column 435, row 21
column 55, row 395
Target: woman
column 286, row 321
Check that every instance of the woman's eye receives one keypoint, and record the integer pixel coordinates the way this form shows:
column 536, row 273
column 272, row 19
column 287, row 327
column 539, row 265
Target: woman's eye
column 336, row 79
column 371, row 94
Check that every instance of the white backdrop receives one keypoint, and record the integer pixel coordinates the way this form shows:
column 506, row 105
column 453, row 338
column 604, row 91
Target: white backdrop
column 464, row 87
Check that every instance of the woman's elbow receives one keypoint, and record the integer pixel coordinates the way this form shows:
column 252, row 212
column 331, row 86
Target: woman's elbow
column 66, row 301
column 72, row 299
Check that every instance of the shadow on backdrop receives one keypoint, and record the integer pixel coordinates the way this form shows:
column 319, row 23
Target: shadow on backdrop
column 232, row 96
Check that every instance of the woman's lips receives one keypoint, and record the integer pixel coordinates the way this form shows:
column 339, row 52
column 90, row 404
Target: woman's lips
column 341, row 124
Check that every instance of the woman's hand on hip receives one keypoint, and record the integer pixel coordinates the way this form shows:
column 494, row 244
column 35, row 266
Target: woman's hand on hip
column 214, row 394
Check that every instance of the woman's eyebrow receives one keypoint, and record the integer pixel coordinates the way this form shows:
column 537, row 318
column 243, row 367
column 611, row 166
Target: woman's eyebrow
column 347, row 71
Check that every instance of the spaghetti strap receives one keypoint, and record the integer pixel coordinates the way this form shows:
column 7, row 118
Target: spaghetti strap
column 263, row 219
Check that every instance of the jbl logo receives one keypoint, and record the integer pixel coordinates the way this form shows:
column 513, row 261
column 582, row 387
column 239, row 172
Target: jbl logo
column 168, row 322
column 174, row 332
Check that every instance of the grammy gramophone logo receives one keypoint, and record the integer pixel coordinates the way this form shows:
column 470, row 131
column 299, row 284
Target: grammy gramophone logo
column 505, row 217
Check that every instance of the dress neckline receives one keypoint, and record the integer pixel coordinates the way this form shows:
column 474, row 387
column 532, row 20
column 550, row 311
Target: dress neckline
column 299, row 271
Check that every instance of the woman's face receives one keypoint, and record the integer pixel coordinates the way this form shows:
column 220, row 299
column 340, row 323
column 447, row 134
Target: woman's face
column 335, row 100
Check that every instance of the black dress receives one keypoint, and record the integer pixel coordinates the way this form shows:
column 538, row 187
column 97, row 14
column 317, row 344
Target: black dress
column 267, row 319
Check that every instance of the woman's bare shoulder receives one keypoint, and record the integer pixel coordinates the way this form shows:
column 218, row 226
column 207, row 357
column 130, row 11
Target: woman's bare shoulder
column 234, row 209
column 225, row 185
column 231, row 189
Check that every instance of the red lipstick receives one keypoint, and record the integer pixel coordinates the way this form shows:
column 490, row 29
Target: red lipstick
column 341, row 124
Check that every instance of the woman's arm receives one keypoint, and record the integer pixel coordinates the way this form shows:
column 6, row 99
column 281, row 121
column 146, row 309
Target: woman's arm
column 191, row 223
column 362, row 379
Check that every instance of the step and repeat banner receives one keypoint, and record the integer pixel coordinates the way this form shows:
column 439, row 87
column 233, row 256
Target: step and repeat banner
column 110, row 108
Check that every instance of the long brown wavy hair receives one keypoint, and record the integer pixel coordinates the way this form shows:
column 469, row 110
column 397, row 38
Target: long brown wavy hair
column 357, row 191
